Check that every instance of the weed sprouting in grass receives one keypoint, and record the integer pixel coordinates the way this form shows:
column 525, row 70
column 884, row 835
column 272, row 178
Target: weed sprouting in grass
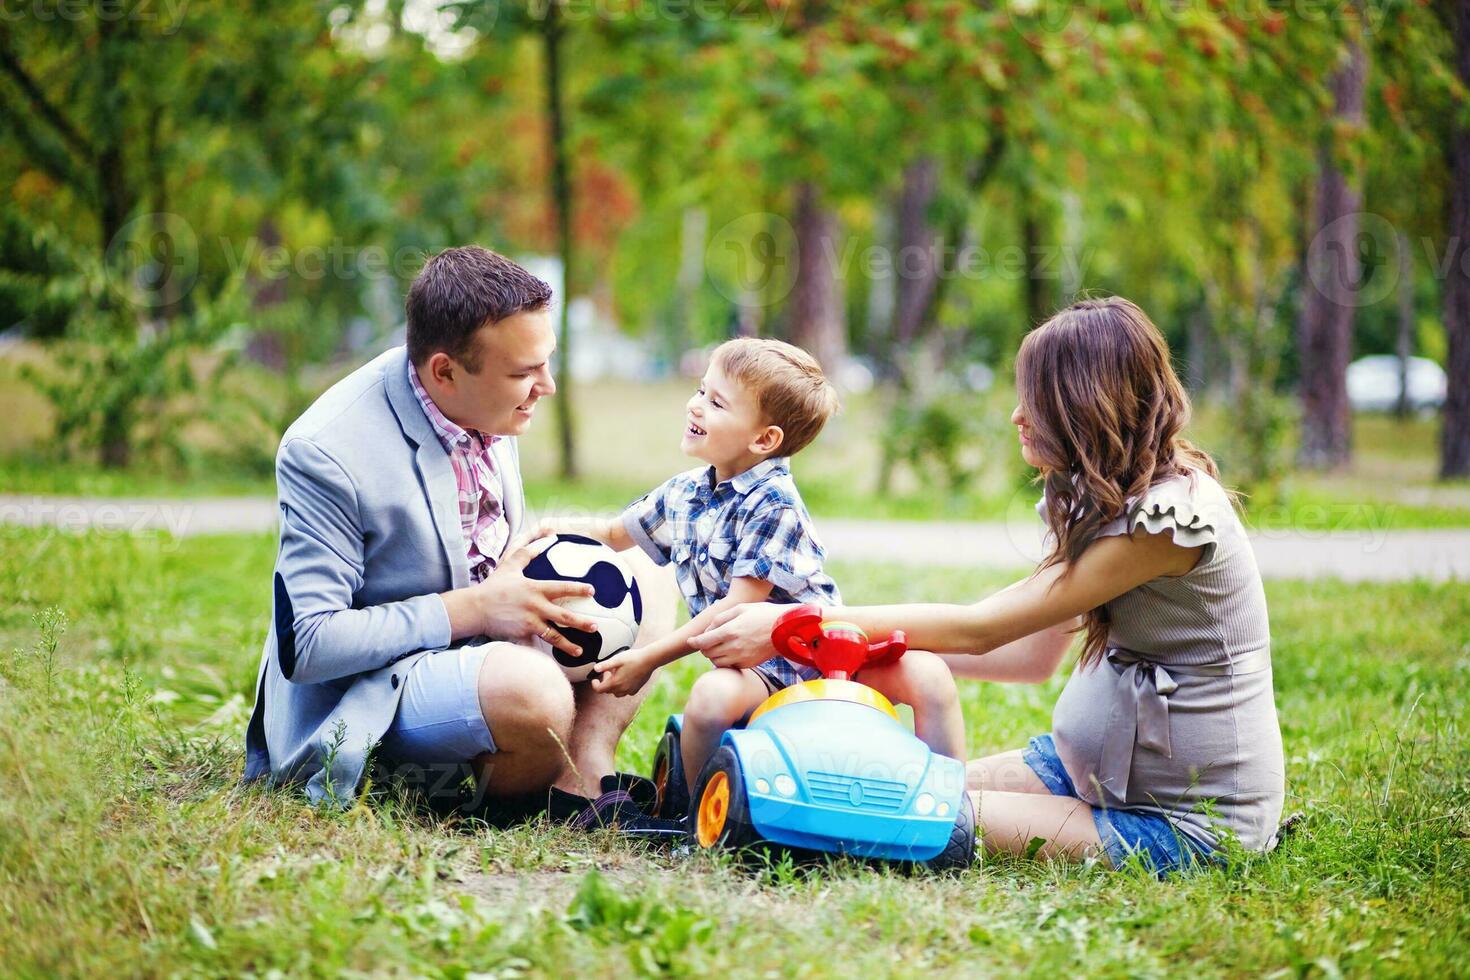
column 50, row 626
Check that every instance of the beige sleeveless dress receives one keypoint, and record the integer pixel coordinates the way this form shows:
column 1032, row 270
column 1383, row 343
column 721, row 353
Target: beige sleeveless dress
column 1180, row 717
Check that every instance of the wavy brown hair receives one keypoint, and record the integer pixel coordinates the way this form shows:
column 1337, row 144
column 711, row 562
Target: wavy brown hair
column 1105, row 409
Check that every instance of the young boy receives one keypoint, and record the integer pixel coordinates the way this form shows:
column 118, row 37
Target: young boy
column 737, row 531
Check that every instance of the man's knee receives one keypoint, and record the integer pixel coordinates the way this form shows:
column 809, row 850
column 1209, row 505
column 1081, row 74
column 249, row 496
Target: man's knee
column 722, row 695
column 526, row 699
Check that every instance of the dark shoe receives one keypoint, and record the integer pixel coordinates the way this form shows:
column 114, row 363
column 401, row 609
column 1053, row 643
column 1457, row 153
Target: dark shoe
column 623, row 806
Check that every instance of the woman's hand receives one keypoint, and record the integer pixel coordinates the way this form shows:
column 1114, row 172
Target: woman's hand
column 740, row 636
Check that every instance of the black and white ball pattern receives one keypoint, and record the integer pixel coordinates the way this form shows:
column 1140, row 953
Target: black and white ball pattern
column 617, row 606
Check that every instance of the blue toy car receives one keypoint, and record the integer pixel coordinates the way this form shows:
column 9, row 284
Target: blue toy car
column 825, row 765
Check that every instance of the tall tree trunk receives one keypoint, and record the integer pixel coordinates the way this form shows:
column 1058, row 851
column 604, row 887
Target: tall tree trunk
column 115, row 202
column 917, row 263
column 1196, row 349
column 1334, row 274
column 693, row 232
column 1404, row 341
column 816, row 298
column 561, row 191
column 1039, row 290
column 1454, row 439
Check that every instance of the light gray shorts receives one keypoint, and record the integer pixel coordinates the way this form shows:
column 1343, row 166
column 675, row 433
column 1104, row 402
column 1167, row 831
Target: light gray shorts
column 439, row 717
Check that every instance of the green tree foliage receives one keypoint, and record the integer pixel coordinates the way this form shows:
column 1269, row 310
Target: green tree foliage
column 965, row 168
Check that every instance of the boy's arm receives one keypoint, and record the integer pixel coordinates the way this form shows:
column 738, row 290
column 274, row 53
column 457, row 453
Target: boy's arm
column 609, row 532
column 637, row 664
column 676, row 644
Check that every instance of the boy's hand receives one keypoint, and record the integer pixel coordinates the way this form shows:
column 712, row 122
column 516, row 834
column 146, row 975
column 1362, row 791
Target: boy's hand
column 623, row 674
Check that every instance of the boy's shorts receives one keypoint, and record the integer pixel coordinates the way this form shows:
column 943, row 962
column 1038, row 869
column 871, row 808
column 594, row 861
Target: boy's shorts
column 439, row 718
column 780, row 673
column 1161, row 845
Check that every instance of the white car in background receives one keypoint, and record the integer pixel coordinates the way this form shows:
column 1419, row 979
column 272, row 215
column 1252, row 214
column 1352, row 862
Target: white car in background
column 1373, row 383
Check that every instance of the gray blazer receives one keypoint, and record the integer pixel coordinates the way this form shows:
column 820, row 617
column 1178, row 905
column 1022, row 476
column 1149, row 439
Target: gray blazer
column 370, row 533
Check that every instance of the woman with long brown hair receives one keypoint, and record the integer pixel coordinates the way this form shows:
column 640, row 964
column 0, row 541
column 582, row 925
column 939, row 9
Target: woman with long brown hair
column 1165, row 740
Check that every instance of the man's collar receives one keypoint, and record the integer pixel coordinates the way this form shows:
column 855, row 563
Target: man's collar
column 449, row 432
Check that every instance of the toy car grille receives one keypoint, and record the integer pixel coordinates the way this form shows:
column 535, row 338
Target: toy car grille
column 856, row 791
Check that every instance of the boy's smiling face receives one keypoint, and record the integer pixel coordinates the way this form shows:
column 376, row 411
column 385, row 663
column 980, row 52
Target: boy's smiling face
column 723, row 426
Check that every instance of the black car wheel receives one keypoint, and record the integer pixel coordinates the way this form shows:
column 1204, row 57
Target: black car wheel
column 668, row 777
column 959, row 853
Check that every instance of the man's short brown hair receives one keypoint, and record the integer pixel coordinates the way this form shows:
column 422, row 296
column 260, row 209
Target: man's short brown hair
column 788, row 384
column 460, row 290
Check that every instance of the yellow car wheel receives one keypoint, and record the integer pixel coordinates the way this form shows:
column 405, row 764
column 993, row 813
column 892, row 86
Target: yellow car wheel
column 721, row 813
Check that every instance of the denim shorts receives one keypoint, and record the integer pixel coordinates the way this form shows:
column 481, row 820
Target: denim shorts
column 439, row 718
column 1162, row 846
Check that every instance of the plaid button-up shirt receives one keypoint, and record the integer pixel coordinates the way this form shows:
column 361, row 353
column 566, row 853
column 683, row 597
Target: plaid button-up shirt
column 481, row 515
column 753, row 525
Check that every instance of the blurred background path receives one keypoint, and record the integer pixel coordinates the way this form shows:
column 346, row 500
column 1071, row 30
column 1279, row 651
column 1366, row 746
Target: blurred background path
column 1366, row 554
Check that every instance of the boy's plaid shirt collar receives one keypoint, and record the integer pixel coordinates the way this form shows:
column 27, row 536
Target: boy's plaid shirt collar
column 742, row 483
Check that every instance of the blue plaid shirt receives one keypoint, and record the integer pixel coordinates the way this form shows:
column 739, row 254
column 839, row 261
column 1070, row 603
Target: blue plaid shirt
column 753, row 525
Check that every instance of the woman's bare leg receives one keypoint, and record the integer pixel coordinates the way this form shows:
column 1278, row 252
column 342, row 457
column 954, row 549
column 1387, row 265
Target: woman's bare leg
column 1014, row 808
column 1006, row 772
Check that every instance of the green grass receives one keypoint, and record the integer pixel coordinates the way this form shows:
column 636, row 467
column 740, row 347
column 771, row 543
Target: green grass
column 126, row 848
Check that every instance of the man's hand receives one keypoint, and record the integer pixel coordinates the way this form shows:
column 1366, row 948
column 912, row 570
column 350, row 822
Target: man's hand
column 740, row 636
column 623, row 674
column 509, row 606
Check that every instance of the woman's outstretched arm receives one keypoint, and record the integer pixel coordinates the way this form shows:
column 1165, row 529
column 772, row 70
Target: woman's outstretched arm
column 1030, row 660
column 1052, row 597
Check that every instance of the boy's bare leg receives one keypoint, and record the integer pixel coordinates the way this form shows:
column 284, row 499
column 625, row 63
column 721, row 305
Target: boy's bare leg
column 924, row 682
column 601, row 719
column 717, row 702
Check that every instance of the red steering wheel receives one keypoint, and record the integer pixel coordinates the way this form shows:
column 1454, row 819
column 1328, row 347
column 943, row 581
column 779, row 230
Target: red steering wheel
column 839, row 650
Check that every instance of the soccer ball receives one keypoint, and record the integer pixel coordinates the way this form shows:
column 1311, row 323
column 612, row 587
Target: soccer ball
column 616, row 607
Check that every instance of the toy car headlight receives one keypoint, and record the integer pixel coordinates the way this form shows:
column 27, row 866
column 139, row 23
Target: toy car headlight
column 785, row 785
column 924, row 804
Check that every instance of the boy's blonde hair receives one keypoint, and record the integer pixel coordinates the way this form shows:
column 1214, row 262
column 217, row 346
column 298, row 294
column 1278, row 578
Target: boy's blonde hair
column 788, row 384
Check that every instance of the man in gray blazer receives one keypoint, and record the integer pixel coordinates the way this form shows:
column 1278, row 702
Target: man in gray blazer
column 400, row 612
